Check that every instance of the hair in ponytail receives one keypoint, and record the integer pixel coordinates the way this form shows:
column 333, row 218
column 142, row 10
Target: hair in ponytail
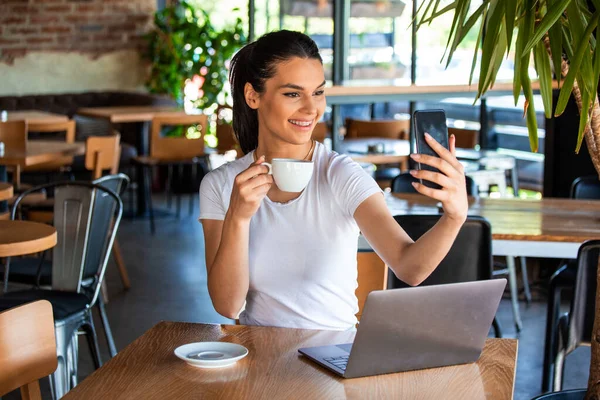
column 254, row 64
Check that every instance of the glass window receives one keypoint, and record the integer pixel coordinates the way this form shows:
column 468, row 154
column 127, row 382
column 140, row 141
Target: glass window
column 380, row 41
column 312, row 17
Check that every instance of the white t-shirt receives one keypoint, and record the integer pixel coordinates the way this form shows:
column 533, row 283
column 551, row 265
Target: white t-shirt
column 302, row 254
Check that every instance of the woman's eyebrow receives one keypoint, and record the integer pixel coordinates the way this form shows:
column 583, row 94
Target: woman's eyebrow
column 297, row 87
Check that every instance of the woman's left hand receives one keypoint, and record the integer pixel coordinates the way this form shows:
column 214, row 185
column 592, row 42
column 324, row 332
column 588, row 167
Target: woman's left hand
column 451, row 178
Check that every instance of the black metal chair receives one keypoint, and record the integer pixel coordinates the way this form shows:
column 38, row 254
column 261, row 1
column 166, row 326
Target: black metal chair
column 86, row 217
column 37, row 271
column 469, row 258
column 583, row 188
column 574, row 328
column 403, row 184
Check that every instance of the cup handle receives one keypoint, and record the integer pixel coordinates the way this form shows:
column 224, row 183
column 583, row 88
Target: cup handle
column 268, row 165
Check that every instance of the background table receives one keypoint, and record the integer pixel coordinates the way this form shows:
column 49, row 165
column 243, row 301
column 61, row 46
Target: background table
column 274, row 369
column 18, row 238
column 42, row 117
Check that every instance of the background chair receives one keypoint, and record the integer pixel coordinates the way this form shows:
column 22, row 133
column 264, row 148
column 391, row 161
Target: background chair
column 575, row 328
column 403, row 184
column 465, row 138
column 64, row 131
column 174, row 150
column 469, row 258
column 372, row 275
column 14, row 136
column 27, row 348
column 390, row 129
column 563, row 280
column 83, row 215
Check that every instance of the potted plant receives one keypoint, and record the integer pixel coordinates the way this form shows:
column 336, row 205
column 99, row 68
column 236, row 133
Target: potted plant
column 189, row 61
column 560, row 36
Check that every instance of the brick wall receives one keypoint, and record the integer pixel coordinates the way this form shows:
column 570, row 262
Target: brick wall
column 93, row 27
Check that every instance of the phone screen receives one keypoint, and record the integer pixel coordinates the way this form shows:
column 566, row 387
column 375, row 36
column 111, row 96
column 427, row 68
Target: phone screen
column 434, row 123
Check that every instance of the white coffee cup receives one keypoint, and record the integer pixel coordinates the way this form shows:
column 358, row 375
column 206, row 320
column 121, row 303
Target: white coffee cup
column 290, row 175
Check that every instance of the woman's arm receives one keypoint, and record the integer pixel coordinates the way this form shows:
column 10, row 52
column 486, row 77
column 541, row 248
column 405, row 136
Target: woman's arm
column 226, row 242
column 413, row 262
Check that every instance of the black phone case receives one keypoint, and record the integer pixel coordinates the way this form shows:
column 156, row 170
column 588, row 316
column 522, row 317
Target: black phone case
column 434, row 123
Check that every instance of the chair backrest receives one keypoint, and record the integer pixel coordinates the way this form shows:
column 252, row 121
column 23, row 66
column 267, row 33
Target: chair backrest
column 392, row 129
column 83, row 214
column 181, row 147
column 403, row 184
column 372, row 275
column 586, row 187
column 27, row 348
column 469, row 258
column 102, row 220
column 465, row 138
column 102, row 153
column 68, row 127
column 583, row 306
column 14, row 135
column 320, row 132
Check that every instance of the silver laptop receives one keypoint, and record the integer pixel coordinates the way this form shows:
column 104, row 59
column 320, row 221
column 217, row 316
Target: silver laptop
column 416, row 328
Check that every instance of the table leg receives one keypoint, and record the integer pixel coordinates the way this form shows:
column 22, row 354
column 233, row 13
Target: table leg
column 143, row 148
column 514, row 295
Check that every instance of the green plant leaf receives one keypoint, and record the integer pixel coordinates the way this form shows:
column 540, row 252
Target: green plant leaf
column 530, row 111
column 553, row 14
column 555, row 38
column 494, row 21
column 509, row 19
column 542, row 66
column 522, row 62
column 576, row 62
column 583, row 118
column 580, row 35
column 497, row 58
column 461, row 26
column 476, row 52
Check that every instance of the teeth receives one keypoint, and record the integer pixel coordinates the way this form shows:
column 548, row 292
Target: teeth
column 301, row 123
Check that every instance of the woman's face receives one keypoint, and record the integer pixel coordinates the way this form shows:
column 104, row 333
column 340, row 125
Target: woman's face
column 293, row 101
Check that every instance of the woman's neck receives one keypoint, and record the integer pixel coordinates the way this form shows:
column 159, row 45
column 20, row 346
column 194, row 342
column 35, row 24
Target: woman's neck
column 273, row 150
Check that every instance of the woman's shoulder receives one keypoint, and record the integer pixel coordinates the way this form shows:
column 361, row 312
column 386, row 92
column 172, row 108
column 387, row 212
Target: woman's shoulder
column 333, row 162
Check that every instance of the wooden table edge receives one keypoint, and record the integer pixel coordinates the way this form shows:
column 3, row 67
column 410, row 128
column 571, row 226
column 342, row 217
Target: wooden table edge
column 29, row 246
column 6, row 191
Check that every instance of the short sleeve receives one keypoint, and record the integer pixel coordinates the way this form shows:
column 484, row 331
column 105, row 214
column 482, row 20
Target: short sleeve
column 350, row 183
column 212, row 205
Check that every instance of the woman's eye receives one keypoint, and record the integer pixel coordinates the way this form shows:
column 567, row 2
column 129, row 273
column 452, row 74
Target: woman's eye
column 319, row 92
column 291, row 94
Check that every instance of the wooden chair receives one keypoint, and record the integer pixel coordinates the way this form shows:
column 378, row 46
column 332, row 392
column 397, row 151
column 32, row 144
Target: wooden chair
column 14, row 136
column 62, row 163
column 27, row 348
column 372, row 275
column 320, row 132
column 172, row 151
column 390, row 129
column 226, row 139
column 465, row 138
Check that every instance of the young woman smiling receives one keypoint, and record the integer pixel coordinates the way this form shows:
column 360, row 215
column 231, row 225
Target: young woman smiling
column 291, row 257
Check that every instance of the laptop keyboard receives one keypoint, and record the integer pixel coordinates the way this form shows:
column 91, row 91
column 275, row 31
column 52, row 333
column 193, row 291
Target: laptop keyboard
column 339, row 362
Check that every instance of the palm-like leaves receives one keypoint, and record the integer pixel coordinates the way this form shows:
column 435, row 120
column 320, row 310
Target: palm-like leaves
column 549, row 30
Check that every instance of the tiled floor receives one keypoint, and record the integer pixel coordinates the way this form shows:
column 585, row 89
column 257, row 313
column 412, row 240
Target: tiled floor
column 169, row 283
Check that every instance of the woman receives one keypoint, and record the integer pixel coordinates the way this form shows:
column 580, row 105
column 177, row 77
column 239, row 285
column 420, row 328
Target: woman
column 292, row 256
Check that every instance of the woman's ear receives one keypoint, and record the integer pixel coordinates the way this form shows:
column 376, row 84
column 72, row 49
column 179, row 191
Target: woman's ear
column 252, row 97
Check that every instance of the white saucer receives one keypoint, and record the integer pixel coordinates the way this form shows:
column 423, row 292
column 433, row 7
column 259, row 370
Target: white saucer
column 211, row 354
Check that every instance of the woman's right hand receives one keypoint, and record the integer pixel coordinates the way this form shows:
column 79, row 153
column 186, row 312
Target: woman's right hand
column 249, row 189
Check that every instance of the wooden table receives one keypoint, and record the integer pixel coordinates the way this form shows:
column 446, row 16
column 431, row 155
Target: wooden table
column 41, row 117
column 18, row 238
column 148, row 369
column 42, row 151
column 6, row 191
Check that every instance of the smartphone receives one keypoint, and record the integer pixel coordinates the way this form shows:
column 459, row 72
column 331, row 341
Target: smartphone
column 434, row 123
